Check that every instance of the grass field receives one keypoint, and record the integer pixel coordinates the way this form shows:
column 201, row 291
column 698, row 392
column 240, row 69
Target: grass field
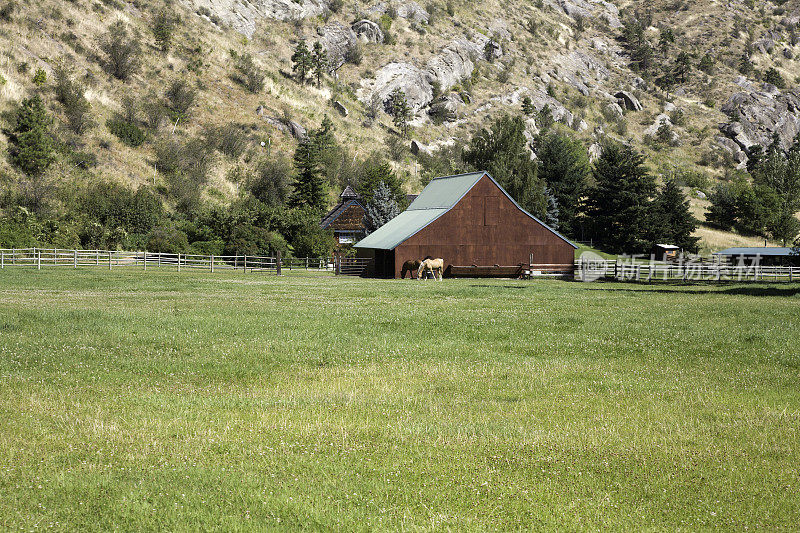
column 235, row 402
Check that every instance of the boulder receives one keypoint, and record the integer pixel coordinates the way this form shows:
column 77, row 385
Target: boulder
column 337, row 39
column 628, row 101
column 614, row 111
column 589, row 9
column 669, row 107
column 367, row 31
column 700, row 194
column 297, row 131
column 595, row 151
column 447, row 107
column 652, row 130
column 340, row 107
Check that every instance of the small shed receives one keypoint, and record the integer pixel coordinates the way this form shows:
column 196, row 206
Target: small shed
column 346, row 219
column 665, row 252
column 761, row 255
column 470, row 221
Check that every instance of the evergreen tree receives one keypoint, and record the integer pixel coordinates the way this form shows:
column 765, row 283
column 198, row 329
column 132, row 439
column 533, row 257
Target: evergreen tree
column 527, row 106
column 302, row 62
column 665, row 40
column 777, row 177
column 374, row 171
column 564, row 167
column 309, row 187
column 319, row 60
column 32, row 148
column 381, row 208
column 670, row 219
column 552, row 215
column 745, row 64
column 683, row 66
column 618, row 204
column 401, row 111
column 504, row 153
column 164, row 23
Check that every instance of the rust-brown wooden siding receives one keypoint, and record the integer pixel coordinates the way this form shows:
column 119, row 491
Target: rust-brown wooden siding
column 485, row 228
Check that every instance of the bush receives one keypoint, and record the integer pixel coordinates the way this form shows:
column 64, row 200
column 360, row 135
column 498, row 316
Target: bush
column 113, row 205
column 164, row 23
column 7, row 11
column 71, row 95
column 128, row 133
column 774, row 77
column 248, row 74
column 354, row 53
column 180, row 97
column 40, row 78
column 272, row 182
column 230, row 139
column 167, row 239
column 123, row 51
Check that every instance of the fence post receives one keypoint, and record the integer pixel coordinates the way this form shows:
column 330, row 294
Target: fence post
column 109, row 260
column 2, row 258
column 212, row 263
column 179, row 261
column 245, row 264
column 145, row 261
column 278, row 262
column 38, row 259
column 13, row 256
column 75, row 258
column 97, row 257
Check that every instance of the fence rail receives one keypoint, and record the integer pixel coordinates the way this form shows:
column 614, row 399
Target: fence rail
column 688, row 271
column 39, row 257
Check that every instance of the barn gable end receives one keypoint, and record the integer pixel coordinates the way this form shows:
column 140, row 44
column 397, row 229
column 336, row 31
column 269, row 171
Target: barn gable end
column 466, row 220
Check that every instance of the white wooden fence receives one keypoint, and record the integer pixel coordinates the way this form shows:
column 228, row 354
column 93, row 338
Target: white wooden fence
column 39, row 257
column 688, row 271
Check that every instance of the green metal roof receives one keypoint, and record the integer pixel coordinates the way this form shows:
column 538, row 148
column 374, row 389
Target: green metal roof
column 441, row 195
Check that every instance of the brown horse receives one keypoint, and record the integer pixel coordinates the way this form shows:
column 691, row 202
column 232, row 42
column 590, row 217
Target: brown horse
column 436, row 266
column 410, row 267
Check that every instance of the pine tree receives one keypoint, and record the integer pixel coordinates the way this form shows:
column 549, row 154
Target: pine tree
column 381, row 209
column 319, row 60
column 671, row 222
column 32, row 148
column 372, row 173
column 618, row 204
column 666, row 39
column 504, row 153
column 401, row 111
column 552, row 215
column 301, row 62
column 683, row 66
column 564, row 167
column 527, row 106
column 309, row 187
column 777, row 177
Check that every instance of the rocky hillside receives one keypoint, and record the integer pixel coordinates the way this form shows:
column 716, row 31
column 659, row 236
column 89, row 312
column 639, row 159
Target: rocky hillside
column 695, row 85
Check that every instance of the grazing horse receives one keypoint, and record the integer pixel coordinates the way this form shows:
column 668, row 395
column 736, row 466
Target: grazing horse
column 431, row 265
column 410, row 267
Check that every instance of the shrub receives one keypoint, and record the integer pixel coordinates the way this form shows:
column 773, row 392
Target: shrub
column 40, row 78
column 7, row 11
column 774, row 77
column 167, row 239
column 123, row 51
column 230, row 139
column 128, row 133
column 180, row 97
column 248, row 74
column 354, row 53
column 70, row 94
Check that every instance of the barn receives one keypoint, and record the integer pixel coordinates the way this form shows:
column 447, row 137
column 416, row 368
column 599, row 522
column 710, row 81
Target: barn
column 346, row 220
column 472, row 223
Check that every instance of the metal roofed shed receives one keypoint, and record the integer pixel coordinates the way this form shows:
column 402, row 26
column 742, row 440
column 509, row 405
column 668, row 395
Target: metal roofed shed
column 467, row 220
column 764, row 255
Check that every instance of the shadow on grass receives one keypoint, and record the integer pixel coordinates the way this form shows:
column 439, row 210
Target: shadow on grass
column 729, row 288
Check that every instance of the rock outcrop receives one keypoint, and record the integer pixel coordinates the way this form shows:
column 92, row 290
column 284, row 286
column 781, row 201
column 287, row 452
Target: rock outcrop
column 408, row 10
column 368, row 32
column 337, row 39
column 755, row 117
column 244, row 16
column 589, row 9
column 628, row 101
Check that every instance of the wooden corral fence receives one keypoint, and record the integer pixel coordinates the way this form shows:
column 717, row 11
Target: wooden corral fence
column 39, row 257
column 688, row 271
column 352, row 266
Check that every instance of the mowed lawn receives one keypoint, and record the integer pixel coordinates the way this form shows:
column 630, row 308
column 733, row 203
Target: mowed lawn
column 175, row 401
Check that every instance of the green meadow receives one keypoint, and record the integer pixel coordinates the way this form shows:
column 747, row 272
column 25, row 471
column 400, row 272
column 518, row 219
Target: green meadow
column 198, row 401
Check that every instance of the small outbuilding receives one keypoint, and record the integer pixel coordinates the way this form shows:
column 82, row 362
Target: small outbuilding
column 346, row 219
column 761, row 255
column 472, row 223
column 665, row 252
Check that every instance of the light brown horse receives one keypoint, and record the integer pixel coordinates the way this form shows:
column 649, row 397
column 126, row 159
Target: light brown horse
column 436, row 266
column 410, row 267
